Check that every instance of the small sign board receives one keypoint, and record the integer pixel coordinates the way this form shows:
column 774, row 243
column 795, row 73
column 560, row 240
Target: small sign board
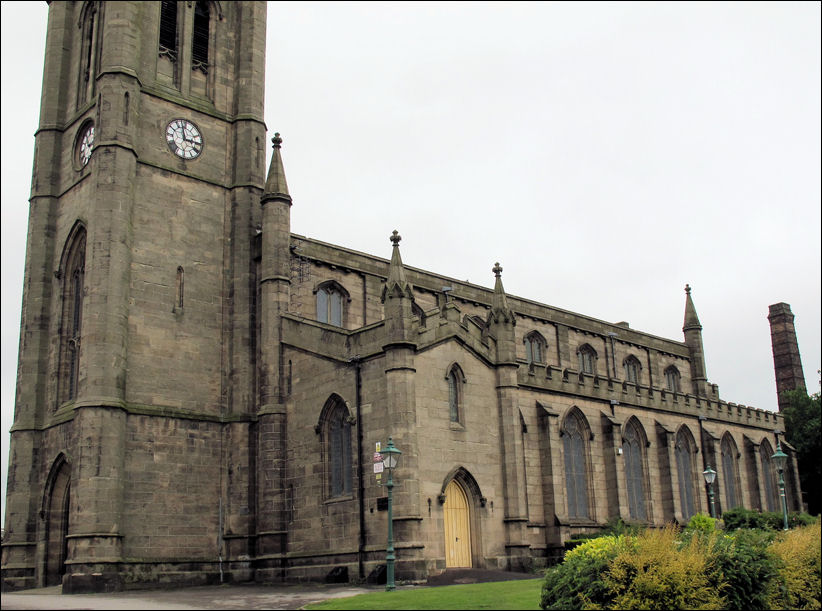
column 379, row 445
column 377, row 457
column 378, row 467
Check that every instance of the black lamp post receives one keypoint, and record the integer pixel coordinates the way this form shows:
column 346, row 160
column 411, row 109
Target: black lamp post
column 780, row 459
column 710, row 476
column 390, row 458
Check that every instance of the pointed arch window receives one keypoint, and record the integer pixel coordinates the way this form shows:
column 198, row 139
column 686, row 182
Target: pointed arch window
column 331, row 300
column 685, row 450
column 632, row 369
column 455, row 380
column 729, row 471
column 200, row 39
column 179, row 290
column 587, row 359
column 574, row 435
column 418, row 312
column 534, row 348
column 73, row 279
column 672, row 379
column 168, row 45
column 89, row 51
column 633, row 443
column 337, row 436
column 768, row 476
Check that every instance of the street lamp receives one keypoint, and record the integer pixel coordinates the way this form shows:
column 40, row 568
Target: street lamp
column 710, row 476
column 390, row 458
column 780, row 459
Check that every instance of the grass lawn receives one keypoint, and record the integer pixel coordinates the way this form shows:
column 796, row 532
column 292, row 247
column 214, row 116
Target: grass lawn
column 518, row 594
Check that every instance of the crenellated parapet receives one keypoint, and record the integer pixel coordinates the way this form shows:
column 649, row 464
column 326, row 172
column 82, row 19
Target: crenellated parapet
column 585, row 386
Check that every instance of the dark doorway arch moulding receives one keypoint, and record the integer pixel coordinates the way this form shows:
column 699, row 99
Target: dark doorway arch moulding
column 463, row 477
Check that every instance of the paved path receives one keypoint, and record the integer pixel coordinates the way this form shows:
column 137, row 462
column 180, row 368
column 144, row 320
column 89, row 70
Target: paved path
column 278, row 596
column 286, row 596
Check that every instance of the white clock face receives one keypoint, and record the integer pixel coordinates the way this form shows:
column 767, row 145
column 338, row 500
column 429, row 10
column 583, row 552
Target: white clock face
column 184, row 139
column 86, row 144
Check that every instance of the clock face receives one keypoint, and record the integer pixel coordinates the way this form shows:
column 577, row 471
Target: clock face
column 184, row 139
column 86, row 144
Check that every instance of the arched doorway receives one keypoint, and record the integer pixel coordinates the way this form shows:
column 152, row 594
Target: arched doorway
column 56, row 518
column 457, row 523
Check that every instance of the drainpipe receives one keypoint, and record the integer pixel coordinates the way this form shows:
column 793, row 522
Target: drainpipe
column 360, row 479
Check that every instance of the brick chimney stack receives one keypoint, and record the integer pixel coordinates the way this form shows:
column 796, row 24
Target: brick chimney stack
column 786, row 361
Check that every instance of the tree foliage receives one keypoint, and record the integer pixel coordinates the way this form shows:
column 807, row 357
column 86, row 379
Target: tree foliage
column 803, row 423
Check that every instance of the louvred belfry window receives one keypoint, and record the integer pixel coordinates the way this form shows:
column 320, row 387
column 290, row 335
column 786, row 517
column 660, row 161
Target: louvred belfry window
column 168, row 30
column 199, row 49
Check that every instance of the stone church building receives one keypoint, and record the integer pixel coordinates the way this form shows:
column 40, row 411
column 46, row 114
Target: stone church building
column 200, row 391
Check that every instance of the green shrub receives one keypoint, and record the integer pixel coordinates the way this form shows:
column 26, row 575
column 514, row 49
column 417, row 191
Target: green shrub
column 743, row 567
column 702, row 523
column 614, row 526
column 617, row 526
column 739, row 517
column 661, row 572
column 800, row 576
column 577, row 582
column 796, row 518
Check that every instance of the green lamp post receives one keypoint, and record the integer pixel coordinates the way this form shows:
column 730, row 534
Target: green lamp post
column 780, row 459
column 390, row 458
column 710, row 476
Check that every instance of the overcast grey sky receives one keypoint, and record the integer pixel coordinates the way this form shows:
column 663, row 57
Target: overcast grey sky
column 604, row 154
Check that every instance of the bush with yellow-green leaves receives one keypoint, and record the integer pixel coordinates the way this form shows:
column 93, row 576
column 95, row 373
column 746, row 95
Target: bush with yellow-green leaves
column 698, row 568
column 800, row 576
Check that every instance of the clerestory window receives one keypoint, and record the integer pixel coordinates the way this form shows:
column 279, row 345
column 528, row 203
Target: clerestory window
column 672, row 379
column 632, row 369
column 587, row 359
column 331, row 304
column 534, row 348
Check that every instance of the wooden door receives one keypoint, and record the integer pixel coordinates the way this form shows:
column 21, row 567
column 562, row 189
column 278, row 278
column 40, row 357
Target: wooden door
column 456, row 518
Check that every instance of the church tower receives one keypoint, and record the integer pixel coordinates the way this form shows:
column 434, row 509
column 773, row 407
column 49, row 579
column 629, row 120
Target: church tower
column 136, row 374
